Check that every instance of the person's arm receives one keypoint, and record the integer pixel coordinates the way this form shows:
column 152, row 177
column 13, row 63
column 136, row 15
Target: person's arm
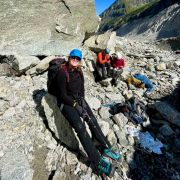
column 62, row 91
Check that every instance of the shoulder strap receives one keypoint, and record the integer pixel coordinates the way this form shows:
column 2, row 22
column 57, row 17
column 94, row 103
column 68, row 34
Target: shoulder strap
column 64, row 67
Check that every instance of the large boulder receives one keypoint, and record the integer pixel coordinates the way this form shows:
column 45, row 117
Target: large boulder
column 41, row 66
column 102, row 41
column 168, row 112
column 14, row 165
column 45, row 27
column 57, row 123
column 17, row 62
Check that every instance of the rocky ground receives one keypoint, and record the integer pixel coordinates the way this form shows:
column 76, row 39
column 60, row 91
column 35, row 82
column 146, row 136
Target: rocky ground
column 32, row 148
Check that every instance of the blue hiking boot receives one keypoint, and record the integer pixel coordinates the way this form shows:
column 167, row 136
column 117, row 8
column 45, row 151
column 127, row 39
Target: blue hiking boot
column 113, row 155
column 104, row 166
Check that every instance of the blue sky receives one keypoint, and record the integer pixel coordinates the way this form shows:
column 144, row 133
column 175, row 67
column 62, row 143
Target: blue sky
column 101, row 5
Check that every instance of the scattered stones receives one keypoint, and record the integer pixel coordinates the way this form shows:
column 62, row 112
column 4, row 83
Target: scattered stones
column 30, row 119
column 161, row 67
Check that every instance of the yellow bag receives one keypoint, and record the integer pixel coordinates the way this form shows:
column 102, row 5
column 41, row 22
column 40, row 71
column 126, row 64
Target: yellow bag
column 135, row 82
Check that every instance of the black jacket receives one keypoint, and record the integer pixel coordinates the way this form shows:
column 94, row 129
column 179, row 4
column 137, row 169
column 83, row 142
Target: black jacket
column 68, row 89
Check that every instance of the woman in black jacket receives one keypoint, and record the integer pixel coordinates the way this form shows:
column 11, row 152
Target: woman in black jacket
column 69, row 88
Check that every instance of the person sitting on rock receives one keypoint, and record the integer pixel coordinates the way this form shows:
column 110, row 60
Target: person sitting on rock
column 103, row 63
column 69, row 87
column 117, row 65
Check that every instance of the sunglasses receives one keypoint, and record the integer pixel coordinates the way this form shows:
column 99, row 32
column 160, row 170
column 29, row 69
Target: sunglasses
column 75, row 57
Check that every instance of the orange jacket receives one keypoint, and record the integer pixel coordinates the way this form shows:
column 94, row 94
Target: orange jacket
column 103, row 58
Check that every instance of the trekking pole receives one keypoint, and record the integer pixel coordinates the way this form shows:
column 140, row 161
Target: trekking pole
column 89, row 119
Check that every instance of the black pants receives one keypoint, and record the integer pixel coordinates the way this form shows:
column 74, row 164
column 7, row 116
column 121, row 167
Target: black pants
column 105, row 70
column 77, row 123
column 115, row 75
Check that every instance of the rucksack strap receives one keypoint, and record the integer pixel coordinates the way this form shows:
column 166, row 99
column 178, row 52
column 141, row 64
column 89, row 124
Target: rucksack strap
column 64, row 67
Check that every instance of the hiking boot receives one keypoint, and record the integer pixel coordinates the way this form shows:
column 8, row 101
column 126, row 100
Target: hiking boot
column 113, row 155
column 104, row 166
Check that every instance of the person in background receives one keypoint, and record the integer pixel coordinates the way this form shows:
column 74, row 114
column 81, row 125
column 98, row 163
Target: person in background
column 117, row 65
column 103, row 63
column 69, row 87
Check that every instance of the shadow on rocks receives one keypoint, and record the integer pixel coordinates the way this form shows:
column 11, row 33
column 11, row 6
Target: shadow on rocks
column 146, row 165
column 37, row 97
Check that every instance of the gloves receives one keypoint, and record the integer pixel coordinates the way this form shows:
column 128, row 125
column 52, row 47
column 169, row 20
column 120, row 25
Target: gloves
column 81, row 111
column 85, row 115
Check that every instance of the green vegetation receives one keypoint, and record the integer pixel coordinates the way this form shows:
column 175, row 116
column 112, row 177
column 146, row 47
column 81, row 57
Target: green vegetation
column 130, row 12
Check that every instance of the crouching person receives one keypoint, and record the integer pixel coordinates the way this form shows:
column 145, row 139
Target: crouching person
column 68, row 86
column 103, row 63
column 117, row 63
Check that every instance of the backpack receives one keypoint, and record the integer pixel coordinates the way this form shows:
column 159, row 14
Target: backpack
column 53, row 69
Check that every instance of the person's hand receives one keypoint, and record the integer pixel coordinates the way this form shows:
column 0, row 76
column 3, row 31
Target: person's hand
column 79, row 109
column 84, row 115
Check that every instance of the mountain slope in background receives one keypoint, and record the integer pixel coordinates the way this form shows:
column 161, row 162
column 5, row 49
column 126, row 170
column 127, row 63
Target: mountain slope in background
column 119, row 9
column 144, row 17
column 164, row 24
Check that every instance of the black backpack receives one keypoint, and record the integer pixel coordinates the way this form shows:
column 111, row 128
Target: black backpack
column 53, row 69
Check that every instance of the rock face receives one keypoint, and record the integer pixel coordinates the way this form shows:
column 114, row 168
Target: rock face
column 16, row 62
column 102, row 41
column 155, row 20
column 162, row 25
column 57, row 122
column 45, row 27
column 22, row 169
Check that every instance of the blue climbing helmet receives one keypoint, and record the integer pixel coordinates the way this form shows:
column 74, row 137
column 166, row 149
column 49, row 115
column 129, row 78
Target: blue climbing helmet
column 106, row 50
column 76, row 52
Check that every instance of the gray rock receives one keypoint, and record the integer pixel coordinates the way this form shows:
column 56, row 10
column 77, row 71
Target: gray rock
column 58, row 123
column 121, row 135
column 104, row 113
column 6, row 70
column 18, row 62
column 177, row 63
column 59, row 175
column 45, row 27
column 161, row 67
column 71, row 158
column 14, row 165
column 168, row 112
column 166, row 130
column 120, row 120
column 41, row 66
column 115, row 97
column 102, row 41
column 112, row 137
column 93, row 102
column 104, row 127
